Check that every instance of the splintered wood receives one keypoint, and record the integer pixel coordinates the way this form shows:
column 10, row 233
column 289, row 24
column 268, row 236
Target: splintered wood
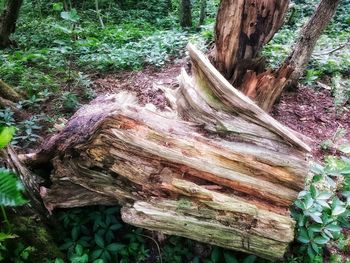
column 218, row 169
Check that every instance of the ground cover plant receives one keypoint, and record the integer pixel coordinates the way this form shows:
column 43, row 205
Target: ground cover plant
column 67, row 52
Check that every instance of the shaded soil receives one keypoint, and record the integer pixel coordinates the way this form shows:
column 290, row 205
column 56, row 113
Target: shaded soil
column 312, row 113
column 145, row 84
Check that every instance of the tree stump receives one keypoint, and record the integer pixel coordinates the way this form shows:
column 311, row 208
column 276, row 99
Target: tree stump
column 218, row 169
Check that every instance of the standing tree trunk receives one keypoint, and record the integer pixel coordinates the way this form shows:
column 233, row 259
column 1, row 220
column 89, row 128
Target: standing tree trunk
column 202, row 13
column 308, row 37
column 243, row 27
column 185, row 13
column 8, row 21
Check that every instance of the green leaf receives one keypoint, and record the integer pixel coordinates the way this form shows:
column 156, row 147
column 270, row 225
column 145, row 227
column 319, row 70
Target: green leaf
column 99, row 241
column 317, row 168
column 6, row 134
column 313, row 191
column 57, row 6
column 308, row 202
column 320, row 240
column 230, row 257
column 106, row 256
column 311, row 252
column 71, row 16
column 316, row 218
column 96, row 254
column 75, row 233
column 250, row 259
column 4, row 236
column 324, row 196
column 79, row 250
column 345, row 148
column 115, row 247
column 315, row 227
column 303, row 236
column 333, row 228
column 215, row 255
column 338, row 210
column 10, row 189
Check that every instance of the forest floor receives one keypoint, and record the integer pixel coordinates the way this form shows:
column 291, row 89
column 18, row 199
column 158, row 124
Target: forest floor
column 307, row 110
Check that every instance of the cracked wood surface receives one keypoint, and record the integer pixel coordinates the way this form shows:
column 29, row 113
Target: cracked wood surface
column 218, row 170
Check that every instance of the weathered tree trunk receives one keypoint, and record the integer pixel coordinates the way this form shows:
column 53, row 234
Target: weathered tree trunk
column 243, row 27
column 202, row 13
column 218, row 169
column 309, row 35
column 8, row 21
column 185, row 13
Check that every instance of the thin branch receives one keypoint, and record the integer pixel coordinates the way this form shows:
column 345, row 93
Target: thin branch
column 334, row 50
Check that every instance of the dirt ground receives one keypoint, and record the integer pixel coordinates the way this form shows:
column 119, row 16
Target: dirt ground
column 308, row 110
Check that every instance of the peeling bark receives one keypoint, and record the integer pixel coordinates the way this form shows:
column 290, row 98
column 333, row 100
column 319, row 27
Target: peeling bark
column 242, row 28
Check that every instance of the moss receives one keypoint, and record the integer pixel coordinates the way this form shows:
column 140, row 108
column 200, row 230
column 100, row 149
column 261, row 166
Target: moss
column 32, row 232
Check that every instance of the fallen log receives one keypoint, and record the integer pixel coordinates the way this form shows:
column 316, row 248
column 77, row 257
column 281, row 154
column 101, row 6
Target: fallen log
column 218, row 169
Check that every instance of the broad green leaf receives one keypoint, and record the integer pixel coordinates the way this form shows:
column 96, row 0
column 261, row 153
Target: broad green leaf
column 215, row 255
column 321, row 240
column 79, row 250
column 10, row 189
column 315, row 227
column 338, row 210
column 313, row 191
column 99, row 241
column 324, row 196
column 57, row 6
column 230, row 257
column 309, row 201
column 250, row 259
column 333, row 228
column 4, row 236
column 115, row 247
column 316, row 218
column 345, row 148
column 6, row 134
column 96, row 254
column 303, row 236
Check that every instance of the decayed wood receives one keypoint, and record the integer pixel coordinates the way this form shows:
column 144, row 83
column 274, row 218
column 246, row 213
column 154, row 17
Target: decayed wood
column 8, row 93
column 242, row 28
column 222, row 172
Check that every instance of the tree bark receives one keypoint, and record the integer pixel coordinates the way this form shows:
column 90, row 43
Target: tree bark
column 218, row 169
column 242, row 28
column 202, row 13
column 309, row 35
column 8, row 22
column 185, row 13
